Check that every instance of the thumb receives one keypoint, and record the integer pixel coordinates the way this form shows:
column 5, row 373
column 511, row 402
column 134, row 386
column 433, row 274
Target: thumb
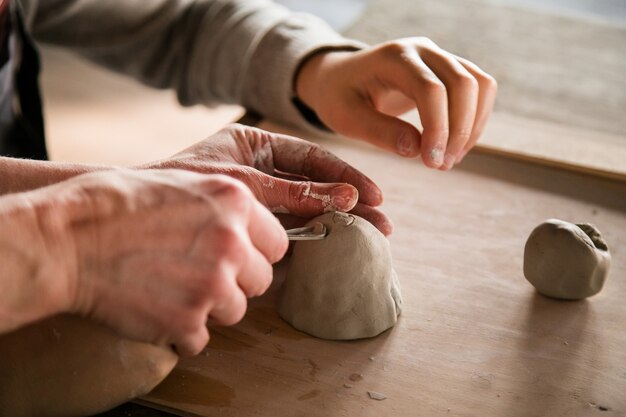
column 309, row 199
column 388, row 132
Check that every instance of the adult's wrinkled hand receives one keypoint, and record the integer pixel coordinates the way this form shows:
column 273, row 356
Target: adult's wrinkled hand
column 361, row 93
column 286, row 174
column 152, row 254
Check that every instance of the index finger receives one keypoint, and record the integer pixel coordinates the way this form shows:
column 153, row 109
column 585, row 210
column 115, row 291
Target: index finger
column 298, row 156
column 411, row 76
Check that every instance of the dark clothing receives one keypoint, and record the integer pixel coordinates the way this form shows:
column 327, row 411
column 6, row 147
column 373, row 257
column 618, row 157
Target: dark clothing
column 21, row 120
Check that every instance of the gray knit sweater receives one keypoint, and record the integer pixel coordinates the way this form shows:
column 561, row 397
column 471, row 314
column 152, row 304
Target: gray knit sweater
column 209, row 51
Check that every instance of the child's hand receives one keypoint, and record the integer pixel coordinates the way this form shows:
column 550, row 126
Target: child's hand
column 360, row 94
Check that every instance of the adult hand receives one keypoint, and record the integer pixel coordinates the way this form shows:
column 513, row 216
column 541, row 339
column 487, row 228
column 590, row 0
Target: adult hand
column 360, row 94
column 286, row 174
column 153, row 254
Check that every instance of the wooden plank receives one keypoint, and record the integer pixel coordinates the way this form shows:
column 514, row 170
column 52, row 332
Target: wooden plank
column 575, row 149
column 551, row 144
column 474, row 338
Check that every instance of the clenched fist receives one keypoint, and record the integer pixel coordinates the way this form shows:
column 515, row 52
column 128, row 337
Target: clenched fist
column 153, row 254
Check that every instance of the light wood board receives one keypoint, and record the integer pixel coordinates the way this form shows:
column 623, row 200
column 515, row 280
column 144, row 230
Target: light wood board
column 552, row 144
column 474, row 338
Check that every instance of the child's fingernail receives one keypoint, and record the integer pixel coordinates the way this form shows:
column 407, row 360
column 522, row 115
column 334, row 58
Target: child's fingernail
column 406, row 145
column 462, row 155
column 448, row 161
column 436, row 156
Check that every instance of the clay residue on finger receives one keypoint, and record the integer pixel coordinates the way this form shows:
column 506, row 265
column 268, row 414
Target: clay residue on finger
column 325, row 199
column 279, row 210
column 268, row 182
column 436, row 155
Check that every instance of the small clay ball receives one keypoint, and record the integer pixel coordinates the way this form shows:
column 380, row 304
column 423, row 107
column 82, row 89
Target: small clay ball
column 565, row 260
column 342, row 287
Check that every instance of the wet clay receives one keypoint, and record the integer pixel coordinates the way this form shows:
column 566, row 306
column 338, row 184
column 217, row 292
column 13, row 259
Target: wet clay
column 566, row 260
column 342, row 287
column 71, row 366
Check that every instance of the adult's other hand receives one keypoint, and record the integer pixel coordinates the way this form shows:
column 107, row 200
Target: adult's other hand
column 152, row 254
column 286, row 174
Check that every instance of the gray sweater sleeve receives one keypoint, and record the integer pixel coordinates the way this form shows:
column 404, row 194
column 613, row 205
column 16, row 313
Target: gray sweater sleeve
column 208, row 51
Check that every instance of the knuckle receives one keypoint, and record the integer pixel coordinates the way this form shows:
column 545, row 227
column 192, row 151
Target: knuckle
column 50, row 220
column 424, row 44
column 488, row 83
column 186, row 325
column 433, row 86
column 234, row 129
column 195, row 342
column 262, row 282
column 247, row 134
column 462, row 135
column 230, row 242
column 220, row 288
column 238, row 310
column 466, row 82
column 440, row 135
column 231, row 307
column 394, row 48
column 423, row 40
column 234, row 194
column 241, row 134
column 232, row 188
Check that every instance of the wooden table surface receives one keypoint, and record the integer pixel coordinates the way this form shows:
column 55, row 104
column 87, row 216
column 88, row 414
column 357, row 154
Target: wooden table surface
column 474, row 338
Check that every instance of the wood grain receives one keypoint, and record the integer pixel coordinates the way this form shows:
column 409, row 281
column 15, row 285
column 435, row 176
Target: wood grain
column 474, row 338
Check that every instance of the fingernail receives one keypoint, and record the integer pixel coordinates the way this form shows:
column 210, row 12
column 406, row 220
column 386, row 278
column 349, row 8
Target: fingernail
column 448, row 161
column 436, row 156
column 462, row 155
column 406, row 145
column 344, row 197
